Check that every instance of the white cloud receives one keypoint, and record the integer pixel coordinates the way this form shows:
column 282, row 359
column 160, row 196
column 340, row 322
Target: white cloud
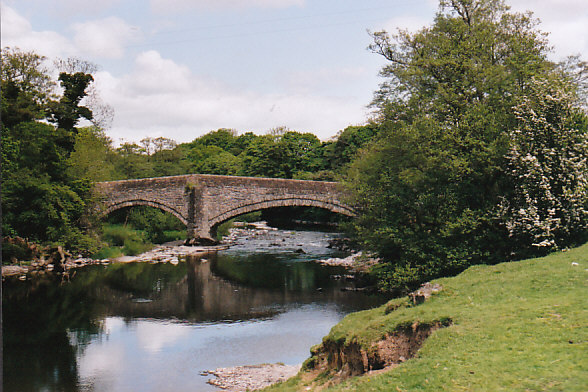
column 18, row 32
column 153, row 336
column 326, row 78
column 155, row 75
column 161, row 98
column 99, row 358
column 180, row 5
column 104, row 38
column 410, row 23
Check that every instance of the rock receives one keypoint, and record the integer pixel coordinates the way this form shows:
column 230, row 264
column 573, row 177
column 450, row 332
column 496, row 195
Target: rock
column 424, row 292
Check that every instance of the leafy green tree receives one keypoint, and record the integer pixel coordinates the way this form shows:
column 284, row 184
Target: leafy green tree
column 241, row 143
column 132, row 163
column 340, row 152
column 40, row 198
column 169, row 162
column 263, row 158
column 222, row 138
column 67, row 111
column 283, row 156
column 25, row 88
column 428, row 188
column 93, row 157
column 223, row 163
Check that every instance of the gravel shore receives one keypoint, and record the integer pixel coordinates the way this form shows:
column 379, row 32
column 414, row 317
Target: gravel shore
column 252, row 377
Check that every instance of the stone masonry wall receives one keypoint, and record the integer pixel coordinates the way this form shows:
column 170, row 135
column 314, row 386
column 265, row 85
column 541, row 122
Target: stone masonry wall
column 201, row 201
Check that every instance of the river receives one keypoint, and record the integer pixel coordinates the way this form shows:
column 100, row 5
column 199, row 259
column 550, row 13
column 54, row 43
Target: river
column 157, row 327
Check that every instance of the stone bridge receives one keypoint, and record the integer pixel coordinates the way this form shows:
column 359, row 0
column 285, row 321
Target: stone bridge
column 203, row 201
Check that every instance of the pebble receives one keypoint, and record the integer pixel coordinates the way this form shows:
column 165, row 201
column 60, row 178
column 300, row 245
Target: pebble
column 251, row 378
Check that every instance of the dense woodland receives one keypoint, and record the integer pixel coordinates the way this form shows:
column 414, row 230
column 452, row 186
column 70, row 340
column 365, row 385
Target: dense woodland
column 477, row 151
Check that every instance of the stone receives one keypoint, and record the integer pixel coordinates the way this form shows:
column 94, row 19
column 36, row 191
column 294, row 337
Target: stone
column 204, row 201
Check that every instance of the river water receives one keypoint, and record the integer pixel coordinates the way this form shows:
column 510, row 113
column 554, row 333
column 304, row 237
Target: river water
column 157, row 327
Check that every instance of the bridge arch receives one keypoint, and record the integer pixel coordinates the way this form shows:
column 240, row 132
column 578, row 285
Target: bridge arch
column 140, row 202
column 284, row 202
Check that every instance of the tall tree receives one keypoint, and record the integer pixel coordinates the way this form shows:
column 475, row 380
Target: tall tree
column 428, row 188
column 41, row 199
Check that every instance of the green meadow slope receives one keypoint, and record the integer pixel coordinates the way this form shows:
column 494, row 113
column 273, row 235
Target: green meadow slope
column 518, row 326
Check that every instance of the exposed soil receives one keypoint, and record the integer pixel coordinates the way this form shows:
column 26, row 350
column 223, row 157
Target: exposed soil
column 336, row 361
column 342, row 361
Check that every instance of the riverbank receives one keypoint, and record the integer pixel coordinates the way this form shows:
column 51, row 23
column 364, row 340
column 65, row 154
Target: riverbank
column 171, row 252
column 165, row 253
column 514, row 326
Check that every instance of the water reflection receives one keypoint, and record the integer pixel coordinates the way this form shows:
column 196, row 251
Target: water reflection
column 154, row 327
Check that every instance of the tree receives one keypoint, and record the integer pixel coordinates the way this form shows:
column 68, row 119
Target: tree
column 132, row 163
column 26, row 87
column 41, row 199
column 547, row 162
column 427, row 189
column 93, row 157
column 340, row 152
column 66, row 112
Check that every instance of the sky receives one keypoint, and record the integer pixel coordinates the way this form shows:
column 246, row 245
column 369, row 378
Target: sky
column 182, row 68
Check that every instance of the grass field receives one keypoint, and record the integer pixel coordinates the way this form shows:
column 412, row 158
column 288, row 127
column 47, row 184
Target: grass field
column 519, row 326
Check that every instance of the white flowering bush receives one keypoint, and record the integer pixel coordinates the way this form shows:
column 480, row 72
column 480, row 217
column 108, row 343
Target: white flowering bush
column 547, row 165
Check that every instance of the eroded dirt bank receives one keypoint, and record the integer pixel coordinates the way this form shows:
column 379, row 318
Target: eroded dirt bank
column 335, row 360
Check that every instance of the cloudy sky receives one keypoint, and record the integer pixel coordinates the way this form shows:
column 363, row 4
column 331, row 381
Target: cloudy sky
column 181, row 68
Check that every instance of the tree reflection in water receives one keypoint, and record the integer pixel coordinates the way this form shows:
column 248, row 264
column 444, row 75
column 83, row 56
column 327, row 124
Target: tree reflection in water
column 48, row 325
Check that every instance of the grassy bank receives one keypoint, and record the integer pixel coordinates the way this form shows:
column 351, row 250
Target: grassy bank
column 125, row 240
column 520, row 326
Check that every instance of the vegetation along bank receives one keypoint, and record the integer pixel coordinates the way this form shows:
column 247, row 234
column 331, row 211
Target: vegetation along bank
column 508, row 327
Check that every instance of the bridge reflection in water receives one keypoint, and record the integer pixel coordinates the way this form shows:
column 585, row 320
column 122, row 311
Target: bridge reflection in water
column 224, row 311
column 225, row 288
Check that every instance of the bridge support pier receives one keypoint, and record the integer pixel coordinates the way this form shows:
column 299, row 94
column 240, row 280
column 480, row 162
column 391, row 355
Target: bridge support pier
column 198, row 229
column 199, row 235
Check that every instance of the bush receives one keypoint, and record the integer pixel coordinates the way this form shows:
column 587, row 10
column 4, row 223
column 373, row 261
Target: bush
column 14, row 251
column 108, row 253
column 118, row 235
column 133, row 247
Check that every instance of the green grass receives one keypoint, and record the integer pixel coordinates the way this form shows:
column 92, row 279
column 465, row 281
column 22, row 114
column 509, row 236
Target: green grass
column 122, row 240
column 519, row 326
column 108, row 252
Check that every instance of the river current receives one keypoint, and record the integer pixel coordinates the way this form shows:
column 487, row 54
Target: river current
column 157, row 327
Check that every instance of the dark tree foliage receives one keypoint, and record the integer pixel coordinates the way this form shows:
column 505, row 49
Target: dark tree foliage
column 429, row 186
column 40, row 199
column 342, row 151
column 66, row 112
